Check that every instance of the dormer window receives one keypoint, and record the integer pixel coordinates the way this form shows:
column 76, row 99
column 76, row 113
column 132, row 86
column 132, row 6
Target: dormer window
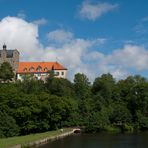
column 39, row 69
column 31, row 69
column 45, row 69
column 25, row 69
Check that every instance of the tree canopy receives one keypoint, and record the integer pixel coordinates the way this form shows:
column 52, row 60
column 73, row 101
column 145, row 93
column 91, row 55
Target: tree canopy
column 6, row 72
column 32, row 106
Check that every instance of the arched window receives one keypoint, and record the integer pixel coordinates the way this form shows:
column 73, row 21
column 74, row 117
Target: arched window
column 39, row 68
column 31, row 69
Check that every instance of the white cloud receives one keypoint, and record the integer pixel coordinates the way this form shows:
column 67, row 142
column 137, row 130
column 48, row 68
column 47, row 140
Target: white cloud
column 120, row 73
column 21, row 14
column 17, row 33
column 117, row 71
column 141, row 26
column 41, row 21
column 92, row 11
column 131, row 56
column 145, row 19
column 74, row 53
column 60, row 35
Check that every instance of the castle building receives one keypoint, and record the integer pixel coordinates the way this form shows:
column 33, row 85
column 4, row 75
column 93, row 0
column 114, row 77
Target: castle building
column 40, row 70
column 10, row 56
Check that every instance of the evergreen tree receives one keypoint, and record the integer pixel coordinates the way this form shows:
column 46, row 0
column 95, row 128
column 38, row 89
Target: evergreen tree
column 6, row 72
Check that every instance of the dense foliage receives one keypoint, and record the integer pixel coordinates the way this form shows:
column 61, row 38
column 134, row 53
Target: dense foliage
column 33, row 106
column 6, row 72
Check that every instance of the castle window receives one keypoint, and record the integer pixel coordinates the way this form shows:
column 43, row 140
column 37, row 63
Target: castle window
column 9, row 54
column 31, row 69
column 62, row 73
column 39, row 69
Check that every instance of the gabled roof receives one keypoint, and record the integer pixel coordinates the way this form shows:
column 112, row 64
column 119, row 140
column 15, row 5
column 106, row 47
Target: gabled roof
column 9, row 53
column 39, row 67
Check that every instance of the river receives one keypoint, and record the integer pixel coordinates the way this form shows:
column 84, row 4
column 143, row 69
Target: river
column 101, row 140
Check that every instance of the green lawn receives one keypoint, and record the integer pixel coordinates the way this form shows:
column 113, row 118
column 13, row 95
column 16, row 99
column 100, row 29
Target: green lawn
column 8, row 142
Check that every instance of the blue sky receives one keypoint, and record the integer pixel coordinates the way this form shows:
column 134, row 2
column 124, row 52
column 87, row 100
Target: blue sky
column 88, row 36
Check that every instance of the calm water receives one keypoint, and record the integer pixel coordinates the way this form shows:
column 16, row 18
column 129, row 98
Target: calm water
column 101, row 141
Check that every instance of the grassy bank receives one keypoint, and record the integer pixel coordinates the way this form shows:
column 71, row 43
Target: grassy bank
column 23, row 140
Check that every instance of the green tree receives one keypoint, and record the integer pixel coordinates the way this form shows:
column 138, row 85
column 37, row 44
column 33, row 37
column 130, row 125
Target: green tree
column 59, row 87
column 134, row 92
column 62, row 108
column 82, row 86
column 142, row 121
column 100, row 119
column 31, row 86
column 8, row 127
column 104, row 86
column 120, row 114
column 82, row 89
column 6, row 72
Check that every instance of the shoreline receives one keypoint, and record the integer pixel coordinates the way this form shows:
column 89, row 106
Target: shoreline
column 35, row 140
column 46, row 140
column 41, row 141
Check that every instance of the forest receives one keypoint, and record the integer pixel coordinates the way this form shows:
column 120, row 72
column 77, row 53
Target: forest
column 32, row 106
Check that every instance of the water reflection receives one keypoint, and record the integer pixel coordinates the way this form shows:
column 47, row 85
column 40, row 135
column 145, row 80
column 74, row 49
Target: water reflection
column 101, row 141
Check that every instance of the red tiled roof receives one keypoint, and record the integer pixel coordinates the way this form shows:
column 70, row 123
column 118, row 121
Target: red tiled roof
column 25, row 67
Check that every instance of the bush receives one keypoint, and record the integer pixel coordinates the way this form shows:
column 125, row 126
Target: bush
column 8, row 127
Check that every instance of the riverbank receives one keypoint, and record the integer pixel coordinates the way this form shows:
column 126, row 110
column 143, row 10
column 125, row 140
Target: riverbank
column 101, row 140
column 123, row 128
column 35, row 139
